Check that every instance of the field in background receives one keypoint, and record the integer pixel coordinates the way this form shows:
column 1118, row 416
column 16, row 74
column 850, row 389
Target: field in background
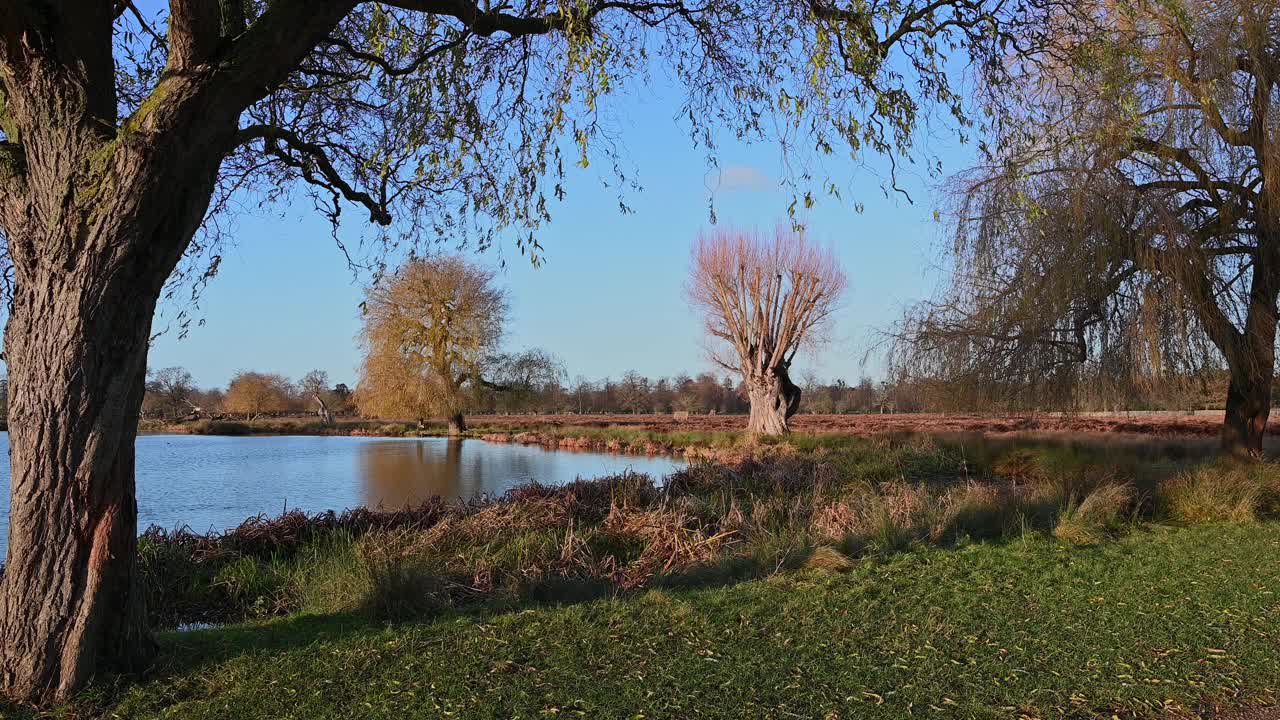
column 1199, row 425
column 1203, row 424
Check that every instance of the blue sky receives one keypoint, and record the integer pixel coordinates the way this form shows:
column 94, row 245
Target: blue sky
column 609, row 296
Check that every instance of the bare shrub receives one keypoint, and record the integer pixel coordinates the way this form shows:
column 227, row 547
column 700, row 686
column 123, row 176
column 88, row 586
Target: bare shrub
column 671, row 542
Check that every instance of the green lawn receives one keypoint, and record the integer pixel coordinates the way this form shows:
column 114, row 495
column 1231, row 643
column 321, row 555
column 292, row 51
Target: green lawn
column 1157, row 622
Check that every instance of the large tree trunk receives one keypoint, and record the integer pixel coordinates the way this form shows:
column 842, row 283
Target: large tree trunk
column 70, row 603
column 1248, row 408
column 1252, row 368
column 95, row 213
column 457, row 424
column 1251, row 356
column 100, row 224
column 774, row 399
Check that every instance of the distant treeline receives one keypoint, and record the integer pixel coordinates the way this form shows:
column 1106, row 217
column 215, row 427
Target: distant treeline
column 173, row 395
column 700, row 394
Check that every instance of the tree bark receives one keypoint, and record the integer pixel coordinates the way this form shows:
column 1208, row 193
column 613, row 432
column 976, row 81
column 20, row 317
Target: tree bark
column 774, row 399
column 457, row 424
column 100, row 224
column 1251, row 355
column 95, row 213
column 1248, row 407
column 70, row 604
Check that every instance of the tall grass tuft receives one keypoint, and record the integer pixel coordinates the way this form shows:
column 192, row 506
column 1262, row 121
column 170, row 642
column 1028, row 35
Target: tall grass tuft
column 1221, row 492
column 1096, row 516
column 400, row 583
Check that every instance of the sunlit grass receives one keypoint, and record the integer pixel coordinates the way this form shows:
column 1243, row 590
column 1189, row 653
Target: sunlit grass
column 1157, row 623
column 819, row 575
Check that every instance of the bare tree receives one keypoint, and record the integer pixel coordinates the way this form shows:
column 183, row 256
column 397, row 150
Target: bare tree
column 514, row 379
column 316, row 385
column 1126, row 223
column 121, row 148
column 764, row 299
column 169, row 392
column 430, row 330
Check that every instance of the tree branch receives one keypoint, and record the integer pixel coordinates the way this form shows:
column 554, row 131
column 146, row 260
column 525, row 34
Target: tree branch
column 486, row 22
column 496, row 387
column 194, row 30
column 392, row 70
column 127, row 5
column 276, row 43
column 316, row 161
column 232, row 17
column 1184, row 158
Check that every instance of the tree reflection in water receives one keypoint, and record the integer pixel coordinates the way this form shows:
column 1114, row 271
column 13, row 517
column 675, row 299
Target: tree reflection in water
column 399, row 473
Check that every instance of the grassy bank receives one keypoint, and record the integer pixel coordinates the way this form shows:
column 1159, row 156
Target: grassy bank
column 827, row 574
column 848, row 498
column 1160, row 623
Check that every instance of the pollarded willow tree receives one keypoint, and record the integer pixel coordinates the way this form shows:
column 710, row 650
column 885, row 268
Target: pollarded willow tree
column 764, row 298
column 430, row 330
column 1127, row 225
column 126, row 140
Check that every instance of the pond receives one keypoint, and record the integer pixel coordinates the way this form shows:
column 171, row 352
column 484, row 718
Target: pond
column 214, row 483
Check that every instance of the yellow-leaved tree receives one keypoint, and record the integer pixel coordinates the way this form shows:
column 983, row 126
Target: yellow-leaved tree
column 430, row 330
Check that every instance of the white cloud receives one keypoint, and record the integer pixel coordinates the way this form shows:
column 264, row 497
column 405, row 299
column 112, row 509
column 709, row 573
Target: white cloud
column 743, row 177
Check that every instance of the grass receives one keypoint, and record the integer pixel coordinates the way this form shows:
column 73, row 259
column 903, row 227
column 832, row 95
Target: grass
column 828, row 576
column 1160, row 623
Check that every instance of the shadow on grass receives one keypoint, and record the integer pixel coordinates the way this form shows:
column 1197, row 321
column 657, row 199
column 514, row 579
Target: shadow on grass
column 708, row 526
column 187, row 652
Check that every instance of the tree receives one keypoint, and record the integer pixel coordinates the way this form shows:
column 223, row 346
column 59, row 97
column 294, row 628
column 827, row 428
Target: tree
column 764, row 299
column 120, row 148
column 315, row 385
column 342, row 400
column 430, row 331
column 207, row 402
column 633, row 392
column 515, row 379
column 1124, row 231
column 169, row 392
column 254, row 393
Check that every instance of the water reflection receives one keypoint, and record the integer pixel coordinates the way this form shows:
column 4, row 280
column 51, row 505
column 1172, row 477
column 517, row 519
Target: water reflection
column 214, row 483
column 400, row 474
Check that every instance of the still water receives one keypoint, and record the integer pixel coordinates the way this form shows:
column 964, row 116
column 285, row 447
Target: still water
column 214, row 483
